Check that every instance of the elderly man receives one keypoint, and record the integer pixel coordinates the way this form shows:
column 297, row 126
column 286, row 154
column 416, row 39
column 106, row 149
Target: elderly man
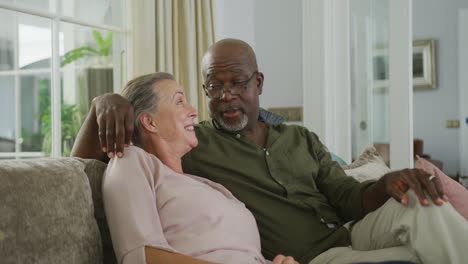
column 304, row 204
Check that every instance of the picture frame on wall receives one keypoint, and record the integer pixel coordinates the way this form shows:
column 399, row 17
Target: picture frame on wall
column 380, row 70
column 424, row 66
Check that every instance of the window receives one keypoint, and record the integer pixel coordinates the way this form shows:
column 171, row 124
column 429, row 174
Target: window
column 55, row 56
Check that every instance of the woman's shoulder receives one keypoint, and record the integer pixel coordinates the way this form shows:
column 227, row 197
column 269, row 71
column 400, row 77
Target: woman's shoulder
column 135, row 151
column 136, row 161
column 134, row 154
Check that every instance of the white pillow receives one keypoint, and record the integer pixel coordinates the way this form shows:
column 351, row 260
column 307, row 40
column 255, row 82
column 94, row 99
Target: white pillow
column 368, row 166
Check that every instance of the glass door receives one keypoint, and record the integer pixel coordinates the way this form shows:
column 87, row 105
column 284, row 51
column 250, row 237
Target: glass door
column 381, row 97
column 369, row 76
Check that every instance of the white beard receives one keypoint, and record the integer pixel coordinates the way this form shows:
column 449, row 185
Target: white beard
column 234, row 127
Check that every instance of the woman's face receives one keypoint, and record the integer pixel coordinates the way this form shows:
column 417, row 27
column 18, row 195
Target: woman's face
column 175, row 116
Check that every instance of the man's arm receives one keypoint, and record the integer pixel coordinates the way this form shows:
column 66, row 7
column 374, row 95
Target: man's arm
column 87, row 143
column 395, row 184
column 107, row 129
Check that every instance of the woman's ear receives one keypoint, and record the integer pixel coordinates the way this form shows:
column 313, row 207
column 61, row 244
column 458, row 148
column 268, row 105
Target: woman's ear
column 148, row 123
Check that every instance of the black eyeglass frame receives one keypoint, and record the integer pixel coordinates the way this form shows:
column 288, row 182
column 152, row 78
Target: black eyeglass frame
column 236, row 86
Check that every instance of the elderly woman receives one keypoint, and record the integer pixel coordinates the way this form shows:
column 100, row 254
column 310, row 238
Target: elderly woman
column 156, row 212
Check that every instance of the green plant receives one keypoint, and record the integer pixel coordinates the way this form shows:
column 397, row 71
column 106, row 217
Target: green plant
column 71, row 118
column 104, row 48
column 71, row 122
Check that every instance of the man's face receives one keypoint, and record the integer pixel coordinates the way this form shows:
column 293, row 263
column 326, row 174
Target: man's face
column 238, row 105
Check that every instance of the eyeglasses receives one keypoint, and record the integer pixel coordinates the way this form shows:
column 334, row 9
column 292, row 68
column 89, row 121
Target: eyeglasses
column 216, row 90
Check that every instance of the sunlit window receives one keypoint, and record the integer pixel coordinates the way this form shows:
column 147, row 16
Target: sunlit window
column 55, row 56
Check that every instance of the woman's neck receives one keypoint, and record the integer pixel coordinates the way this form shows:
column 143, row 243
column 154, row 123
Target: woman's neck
column 165, row 153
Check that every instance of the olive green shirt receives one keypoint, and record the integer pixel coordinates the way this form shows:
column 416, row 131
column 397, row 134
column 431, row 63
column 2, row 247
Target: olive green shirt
column 298, row 195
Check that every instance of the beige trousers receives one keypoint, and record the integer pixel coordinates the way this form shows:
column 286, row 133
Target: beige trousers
column 416, row 233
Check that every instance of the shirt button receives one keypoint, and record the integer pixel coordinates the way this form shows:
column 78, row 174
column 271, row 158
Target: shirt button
column 238, row 135
column 267, row 153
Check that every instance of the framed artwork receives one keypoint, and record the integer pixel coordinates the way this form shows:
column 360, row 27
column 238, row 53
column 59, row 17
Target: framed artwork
column 424, row 66
column 380, row 70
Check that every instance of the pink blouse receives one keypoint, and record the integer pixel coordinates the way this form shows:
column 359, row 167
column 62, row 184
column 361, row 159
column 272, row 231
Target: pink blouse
column 148, row 204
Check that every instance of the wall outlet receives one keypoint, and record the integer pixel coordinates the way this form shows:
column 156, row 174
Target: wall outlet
column 290, row 114
column 453, row 123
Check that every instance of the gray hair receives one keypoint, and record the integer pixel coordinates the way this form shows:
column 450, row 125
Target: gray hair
column 140, row 93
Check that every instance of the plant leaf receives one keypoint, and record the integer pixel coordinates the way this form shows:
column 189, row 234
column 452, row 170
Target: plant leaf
column 88, row 48
column 78, row 53
column 109, row 39
column 73, row 57
column 98, row 38
column 106, row 49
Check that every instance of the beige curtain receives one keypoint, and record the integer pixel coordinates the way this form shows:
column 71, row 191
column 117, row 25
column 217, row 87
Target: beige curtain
column 184, row 31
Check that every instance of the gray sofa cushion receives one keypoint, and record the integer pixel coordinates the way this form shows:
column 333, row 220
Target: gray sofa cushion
column 47, row 213
column 95, row 171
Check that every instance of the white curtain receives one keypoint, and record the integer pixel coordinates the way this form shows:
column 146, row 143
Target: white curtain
column 141, row 40
column 184, row 31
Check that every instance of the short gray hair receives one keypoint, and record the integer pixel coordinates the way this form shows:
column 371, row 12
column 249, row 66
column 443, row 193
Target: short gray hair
column 140, row 93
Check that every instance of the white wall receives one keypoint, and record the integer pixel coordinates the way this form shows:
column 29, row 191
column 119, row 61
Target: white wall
column 235, row 19
column 435, row 19
column 274, row 29
column 278, row 41
column 463, row 84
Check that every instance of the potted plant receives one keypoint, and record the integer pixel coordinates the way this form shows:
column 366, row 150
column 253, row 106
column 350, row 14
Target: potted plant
column 102, row 52
column 96, row 77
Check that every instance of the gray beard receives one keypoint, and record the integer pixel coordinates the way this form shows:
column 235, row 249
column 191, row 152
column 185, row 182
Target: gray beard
column 234, row 127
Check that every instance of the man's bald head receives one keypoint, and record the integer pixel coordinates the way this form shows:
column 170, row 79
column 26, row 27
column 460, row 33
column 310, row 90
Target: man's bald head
column 227, row 50
column 229, row 64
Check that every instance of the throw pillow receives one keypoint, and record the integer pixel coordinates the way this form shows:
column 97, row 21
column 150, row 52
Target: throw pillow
column 457, row 194
column 368, row 166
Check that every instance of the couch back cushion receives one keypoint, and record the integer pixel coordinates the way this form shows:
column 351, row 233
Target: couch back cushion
column 95, row 170
column 47, row 213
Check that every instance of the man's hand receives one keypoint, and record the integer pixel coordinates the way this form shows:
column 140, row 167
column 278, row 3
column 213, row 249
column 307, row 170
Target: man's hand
column 280, row 259
column 114, row 116
column 398, row 182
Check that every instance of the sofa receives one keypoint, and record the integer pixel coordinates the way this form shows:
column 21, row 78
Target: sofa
column 51, row 211
column 418, row 151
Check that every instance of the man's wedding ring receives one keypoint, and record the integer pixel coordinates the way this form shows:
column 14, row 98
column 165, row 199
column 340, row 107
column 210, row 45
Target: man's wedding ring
column 431, row 177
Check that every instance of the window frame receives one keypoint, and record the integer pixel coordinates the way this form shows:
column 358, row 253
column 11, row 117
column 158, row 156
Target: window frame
column 55, row 20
